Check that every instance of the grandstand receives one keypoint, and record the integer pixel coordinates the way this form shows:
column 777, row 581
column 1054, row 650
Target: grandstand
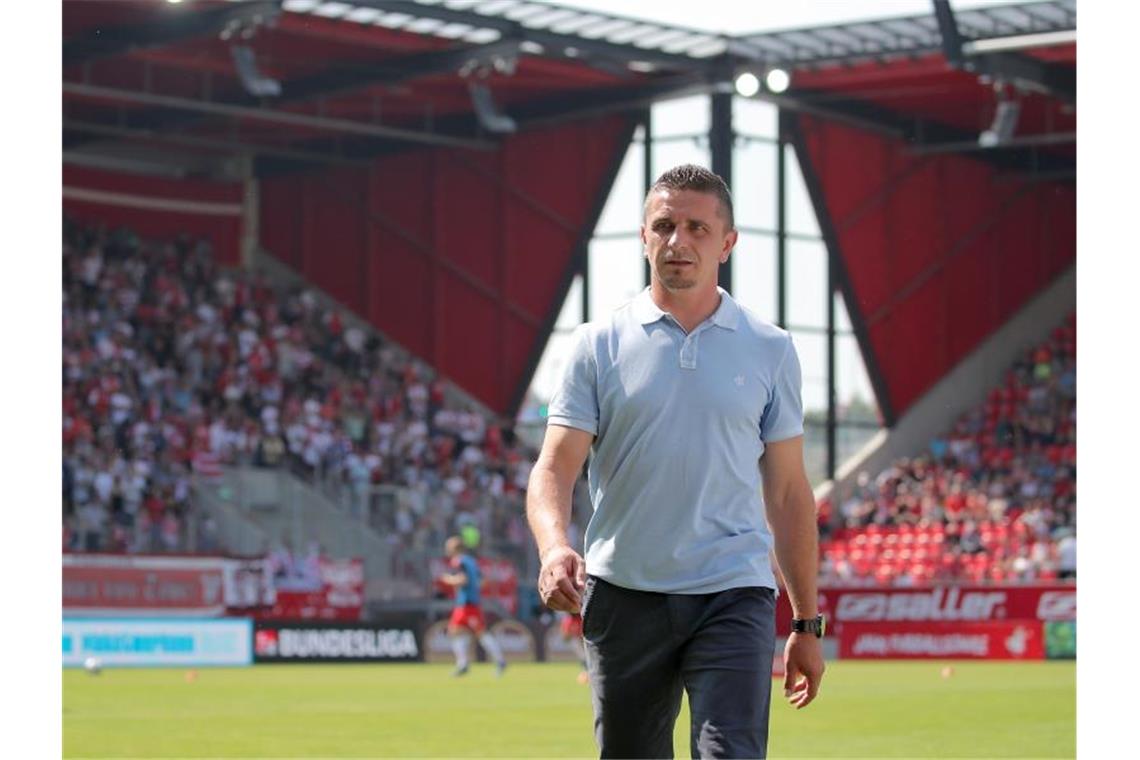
column 988, row 501
column 316, row 254
column 178, row 374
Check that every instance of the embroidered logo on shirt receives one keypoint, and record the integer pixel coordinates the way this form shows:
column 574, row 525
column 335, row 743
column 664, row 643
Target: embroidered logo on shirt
column 739, row 380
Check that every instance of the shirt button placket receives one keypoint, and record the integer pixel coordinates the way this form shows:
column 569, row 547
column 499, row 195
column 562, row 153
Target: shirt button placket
column 689, row 351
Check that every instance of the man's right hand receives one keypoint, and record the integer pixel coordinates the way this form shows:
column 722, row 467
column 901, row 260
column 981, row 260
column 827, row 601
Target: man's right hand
column 561, row 579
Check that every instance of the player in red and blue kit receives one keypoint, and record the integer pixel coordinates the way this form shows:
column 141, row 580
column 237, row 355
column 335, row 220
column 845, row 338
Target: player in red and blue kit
column 465, row 578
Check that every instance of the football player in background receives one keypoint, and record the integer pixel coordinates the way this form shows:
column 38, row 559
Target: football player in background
column 465, row 578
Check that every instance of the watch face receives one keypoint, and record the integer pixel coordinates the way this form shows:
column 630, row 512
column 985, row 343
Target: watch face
column 814, row 625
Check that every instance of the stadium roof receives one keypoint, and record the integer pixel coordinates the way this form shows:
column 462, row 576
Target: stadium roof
column 884, row 39
column 212, row 88
column 627, row 39
column 298, row 82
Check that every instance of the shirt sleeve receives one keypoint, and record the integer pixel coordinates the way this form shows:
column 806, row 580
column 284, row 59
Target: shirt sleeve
column 575, row 401
column 783, row 417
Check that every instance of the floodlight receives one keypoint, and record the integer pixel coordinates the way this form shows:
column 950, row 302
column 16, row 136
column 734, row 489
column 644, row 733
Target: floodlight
column 777, row 80
column 747, row 84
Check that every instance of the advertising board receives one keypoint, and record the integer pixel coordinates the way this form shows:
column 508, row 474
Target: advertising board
column 1012, row 640
column 966, row 604
column 126, row 642
column 1061, row 640
column 141, row 585
column 335, row 593
column 117, row 585
column 336, row 642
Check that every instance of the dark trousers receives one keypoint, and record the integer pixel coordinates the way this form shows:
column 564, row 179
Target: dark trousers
column 643, row 648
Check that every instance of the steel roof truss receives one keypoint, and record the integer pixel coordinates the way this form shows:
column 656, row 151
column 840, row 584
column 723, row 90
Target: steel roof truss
column 321, row 123
column 587, row 40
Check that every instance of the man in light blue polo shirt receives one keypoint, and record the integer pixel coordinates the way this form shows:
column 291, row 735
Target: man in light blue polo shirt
column 685, row 400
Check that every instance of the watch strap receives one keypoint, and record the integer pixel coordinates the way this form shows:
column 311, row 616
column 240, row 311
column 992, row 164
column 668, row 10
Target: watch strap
column 816, row 625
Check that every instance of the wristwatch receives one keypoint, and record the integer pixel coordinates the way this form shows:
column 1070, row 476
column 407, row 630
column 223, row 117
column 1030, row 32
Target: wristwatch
column 815, row 625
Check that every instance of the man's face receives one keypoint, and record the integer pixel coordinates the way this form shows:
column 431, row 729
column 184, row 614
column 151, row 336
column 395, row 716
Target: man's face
column 686, row 238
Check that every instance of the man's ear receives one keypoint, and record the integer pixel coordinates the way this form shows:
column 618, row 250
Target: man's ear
column 729, row 244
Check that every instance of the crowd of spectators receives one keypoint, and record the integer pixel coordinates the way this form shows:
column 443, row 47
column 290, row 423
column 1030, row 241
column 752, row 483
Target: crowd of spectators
column 994, row 499
column 173, row 365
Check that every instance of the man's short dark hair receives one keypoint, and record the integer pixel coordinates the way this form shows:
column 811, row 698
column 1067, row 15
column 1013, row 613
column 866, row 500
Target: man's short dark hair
column 698, row 179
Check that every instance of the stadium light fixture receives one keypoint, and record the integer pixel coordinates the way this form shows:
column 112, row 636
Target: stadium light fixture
column 490, row 117
column 1005, row 118
column 777, row 81
column 1004, row 125
column 747, row 84
column 245, row 62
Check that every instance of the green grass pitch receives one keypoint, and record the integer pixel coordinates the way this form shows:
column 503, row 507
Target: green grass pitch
column 865, row 709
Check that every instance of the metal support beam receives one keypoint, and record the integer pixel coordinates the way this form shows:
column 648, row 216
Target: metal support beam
column 582, row 47
column 1021, row 42
column 832, row 416
column 781, row 226
column 845, row 112
column 647, row 177
column 562, row 108
column 790, row 128
column 720, row 149
column 274, row 116
column 918, row 134
column 586, row 286
column 341, row 80
column 557, row 109
column 970, row 146
column 250, row 214
column 1018, row 69
column 229, row 147
column 1057, row 80
column 573, row 267
column 948, row 30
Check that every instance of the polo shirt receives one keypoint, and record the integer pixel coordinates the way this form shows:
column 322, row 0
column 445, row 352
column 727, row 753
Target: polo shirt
column 680, row 422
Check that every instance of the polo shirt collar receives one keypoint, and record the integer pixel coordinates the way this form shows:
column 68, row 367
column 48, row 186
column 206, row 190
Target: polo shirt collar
column 645, row 310
column 727, row 315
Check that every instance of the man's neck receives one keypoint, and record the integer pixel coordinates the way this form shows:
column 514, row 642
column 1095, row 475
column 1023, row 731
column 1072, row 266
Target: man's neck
column 688, row 307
